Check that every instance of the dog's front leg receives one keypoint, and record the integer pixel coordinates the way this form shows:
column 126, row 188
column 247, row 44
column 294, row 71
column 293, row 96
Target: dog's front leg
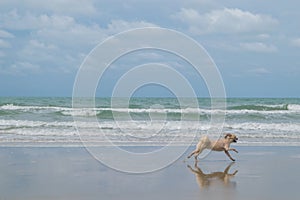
column 232, row 149
column 227, row 153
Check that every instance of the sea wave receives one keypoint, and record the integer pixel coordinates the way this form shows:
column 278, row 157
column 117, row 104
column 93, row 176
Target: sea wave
column 32, row 108
column 263, row 121
column 151, row 125
column 261, row 107
column 151, row 132
column 265, row 127
column 294, row 107
column 283, row 108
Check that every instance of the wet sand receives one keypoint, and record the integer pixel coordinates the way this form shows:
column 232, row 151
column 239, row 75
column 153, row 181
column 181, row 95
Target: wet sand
column 72, row 173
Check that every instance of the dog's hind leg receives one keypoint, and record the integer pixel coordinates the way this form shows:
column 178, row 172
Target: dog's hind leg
column 196, row 156
column 203, row 144
column 194, row 152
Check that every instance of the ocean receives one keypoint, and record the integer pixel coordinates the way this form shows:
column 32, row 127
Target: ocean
column 41, row 121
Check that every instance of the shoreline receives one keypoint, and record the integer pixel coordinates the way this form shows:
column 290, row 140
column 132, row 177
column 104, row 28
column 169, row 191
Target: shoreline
column 81, row 145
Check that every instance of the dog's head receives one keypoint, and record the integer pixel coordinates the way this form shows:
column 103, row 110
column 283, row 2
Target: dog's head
column 231, row 137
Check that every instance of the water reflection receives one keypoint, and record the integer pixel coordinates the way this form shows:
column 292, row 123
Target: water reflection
column 214, row 178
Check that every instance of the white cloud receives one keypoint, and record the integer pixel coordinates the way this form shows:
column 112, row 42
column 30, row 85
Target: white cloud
column 149, row 55
column 259, row 71
column 75, row 34
column 263, row 36
column 57, row 42
column 4, row 44
column 295, row 42
column 63, row 29
column 235, row 46
column 226, row 20
column 20, row 68
column 258, row 47
column 5, row 34
column 15, row 21
column 117, row 26
column 37, row 51
column 25, row 66
column 81, row 7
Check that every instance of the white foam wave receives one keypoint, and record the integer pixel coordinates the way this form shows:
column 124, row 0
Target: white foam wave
column 126, row 125
column 30, row 108
column 80, row 112
column 291, row 108
column 275, row 127
column 294, row 107
column 155, row 131
column 151, row 125
column 28, row 123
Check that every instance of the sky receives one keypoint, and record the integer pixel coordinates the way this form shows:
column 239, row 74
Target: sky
column 255, row 44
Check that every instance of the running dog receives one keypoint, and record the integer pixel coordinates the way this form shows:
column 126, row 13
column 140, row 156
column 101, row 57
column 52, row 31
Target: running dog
column 218, row 145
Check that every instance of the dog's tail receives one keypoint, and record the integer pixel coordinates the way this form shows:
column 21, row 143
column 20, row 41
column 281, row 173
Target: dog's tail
column 204, row 143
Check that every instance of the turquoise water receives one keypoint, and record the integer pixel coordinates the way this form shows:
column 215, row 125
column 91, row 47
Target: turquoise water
column 153, row 121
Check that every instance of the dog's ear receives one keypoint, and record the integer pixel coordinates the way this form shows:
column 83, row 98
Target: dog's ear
column 227, row 135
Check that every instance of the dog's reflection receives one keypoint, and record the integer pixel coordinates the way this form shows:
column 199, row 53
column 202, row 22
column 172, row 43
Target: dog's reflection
column 208, row 180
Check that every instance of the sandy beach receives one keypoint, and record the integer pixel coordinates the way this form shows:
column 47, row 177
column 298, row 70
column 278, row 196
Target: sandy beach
column 72, row 173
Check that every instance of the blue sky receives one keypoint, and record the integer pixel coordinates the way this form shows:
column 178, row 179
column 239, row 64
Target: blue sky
column 255, row 44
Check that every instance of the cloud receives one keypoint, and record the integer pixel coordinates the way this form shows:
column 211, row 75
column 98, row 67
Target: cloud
column 259, row 71
column 5, row 34
column 14, row 20
column 258, row 47
column 25, row 66
column 295, row 42
column 236, row 46
column 64, row 29
column 57, row 42
column 263, row 36
column 37, row 51
column 75, row 34
column 4, row 44
column 227, row 20
column 20, row 68
column 117, row 26
column 78, row 7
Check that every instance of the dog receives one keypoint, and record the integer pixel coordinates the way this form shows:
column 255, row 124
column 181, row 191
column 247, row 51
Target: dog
column 218, row 145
